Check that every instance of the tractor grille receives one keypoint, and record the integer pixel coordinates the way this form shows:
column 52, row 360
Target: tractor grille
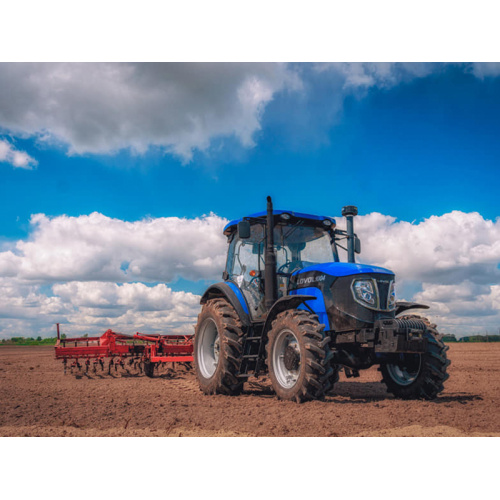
column 383, row 291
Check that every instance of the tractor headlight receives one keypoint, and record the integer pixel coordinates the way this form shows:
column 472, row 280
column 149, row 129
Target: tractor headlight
column 365, row 293
column 391, row 298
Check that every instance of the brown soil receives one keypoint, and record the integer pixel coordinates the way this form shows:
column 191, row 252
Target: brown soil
column 37, row 399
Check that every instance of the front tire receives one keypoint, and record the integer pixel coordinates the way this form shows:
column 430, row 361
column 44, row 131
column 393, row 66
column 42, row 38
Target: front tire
column 218, row 348
column 299, row 357
column 418, row 376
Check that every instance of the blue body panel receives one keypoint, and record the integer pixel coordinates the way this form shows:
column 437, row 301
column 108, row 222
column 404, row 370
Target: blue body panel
column 239, row 295
column 279, row 212
column 336, row 269
column 318, row 305
column 339, row 269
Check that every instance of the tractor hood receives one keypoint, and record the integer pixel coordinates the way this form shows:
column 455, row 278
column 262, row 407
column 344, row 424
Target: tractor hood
column 333, row 282
column 338, row 269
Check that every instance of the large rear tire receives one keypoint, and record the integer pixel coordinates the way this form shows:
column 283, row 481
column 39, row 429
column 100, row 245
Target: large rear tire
column 299, row 357
column 218, row 348
column 418, row 376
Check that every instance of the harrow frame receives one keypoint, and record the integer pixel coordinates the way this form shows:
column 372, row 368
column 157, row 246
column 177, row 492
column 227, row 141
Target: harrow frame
column 150, row 349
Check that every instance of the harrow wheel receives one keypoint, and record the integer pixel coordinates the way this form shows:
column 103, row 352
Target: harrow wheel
column 218, row 348
column 299, row 357
column 418, row 376
column 149, row 368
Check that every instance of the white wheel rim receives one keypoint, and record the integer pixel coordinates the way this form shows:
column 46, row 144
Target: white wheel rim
column 208, row 348
column 401, row 375
column 286, row 377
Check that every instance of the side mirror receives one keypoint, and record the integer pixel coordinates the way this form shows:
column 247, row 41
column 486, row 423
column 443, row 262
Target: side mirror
column 357, row 244
column 244, row 230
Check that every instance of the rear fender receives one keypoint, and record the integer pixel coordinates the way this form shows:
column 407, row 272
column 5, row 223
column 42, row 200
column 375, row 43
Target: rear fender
column 230, row 292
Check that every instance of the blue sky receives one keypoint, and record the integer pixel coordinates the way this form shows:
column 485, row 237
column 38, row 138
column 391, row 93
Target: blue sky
column 407, row 142
column 424, row 147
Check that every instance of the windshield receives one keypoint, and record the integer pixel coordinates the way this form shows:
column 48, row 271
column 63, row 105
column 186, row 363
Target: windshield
column 296, row 247
column 300, row 246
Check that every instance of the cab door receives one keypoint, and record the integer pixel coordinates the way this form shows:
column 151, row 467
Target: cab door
column 245, row 260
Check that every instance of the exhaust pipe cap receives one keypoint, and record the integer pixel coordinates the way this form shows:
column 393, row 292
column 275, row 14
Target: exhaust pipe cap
column 349, row 210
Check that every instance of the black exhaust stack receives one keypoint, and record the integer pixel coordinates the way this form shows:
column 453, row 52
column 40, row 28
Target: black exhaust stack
column 349, row 212
column 270, row 283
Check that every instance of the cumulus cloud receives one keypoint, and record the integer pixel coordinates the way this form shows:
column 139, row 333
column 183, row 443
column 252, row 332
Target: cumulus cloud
column 453, row 259
column 130, row 306
column 182, row 107
column 93, row 271
column 463, row 299
column 26, row 311
column 447, row 249
column 83, row 271
column 103, row 107
column 18, row 159
column 98, row 248
column 464, row 308
column 92, row 307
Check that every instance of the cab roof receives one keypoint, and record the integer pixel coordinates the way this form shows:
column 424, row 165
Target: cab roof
column 231, row 226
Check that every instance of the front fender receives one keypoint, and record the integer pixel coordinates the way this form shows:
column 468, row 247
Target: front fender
column 405, row 306
column 283, row 304
column 318, row 306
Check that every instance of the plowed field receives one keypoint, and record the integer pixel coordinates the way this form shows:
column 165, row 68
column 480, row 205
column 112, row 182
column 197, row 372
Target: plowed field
column 37, row 399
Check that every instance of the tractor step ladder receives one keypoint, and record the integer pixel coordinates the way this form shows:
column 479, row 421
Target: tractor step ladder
column 252, row 357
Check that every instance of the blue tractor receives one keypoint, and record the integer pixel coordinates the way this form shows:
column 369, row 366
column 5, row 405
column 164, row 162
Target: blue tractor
column 289, row 308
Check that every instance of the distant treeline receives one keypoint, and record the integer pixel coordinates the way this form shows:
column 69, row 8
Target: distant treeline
column 30, row 341
column 472, row 338
column 52, row 340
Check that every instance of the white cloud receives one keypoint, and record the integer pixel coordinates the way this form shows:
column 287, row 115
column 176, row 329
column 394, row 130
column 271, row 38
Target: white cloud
column 102, row 108
column 93, row 307
column 98, row 248
column 18, row 159
column 130, row 306
column 464, row 299
column 26, row 311
column 463, row 309
column 84, row 257
column 180, row 107
column 446, row 294
column 445, row 249
column 85, row 269
column 454, row 258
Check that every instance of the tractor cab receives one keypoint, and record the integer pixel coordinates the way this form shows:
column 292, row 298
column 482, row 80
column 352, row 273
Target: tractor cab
column 300, row 240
